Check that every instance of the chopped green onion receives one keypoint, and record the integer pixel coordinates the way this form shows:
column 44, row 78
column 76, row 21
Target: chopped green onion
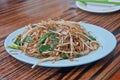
column 92, row 38
column 52, row 28
column 77, row 55
column 44, row 48
column 17, row 40
column 89, row 37
column 64, row 56
column 54, row 37
column 28, row 39
column 14, row 46
column 54, row 40
column 43, row 38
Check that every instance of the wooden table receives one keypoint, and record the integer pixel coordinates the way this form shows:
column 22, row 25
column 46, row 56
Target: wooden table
column 17, row 13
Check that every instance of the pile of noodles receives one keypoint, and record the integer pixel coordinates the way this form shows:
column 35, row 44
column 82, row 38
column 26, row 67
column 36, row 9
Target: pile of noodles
column 72, row 40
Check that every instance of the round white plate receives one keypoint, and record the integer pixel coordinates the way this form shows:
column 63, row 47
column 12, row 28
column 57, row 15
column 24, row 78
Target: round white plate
column 106, row 39
column 98, row 8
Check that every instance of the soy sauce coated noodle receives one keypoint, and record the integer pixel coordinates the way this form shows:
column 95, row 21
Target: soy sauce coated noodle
column 55, row 40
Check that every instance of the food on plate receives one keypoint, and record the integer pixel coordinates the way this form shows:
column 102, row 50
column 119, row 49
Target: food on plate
column 53, row 40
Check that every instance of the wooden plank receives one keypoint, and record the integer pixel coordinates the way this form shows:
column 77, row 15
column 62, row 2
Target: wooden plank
column 16, row 14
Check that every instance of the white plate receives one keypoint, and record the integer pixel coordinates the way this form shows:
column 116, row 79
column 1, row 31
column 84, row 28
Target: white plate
column 98, row 8
column 106, row 39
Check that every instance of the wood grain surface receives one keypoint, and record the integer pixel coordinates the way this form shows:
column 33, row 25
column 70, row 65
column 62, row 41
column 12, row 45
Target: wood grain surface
column 15, row 14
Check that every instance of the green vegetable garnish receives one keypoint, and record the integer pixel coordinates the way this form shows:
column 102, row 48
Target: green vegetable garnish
column 52, row 28
column 54, row 37
column 47, row 47
column 92, row 38
column 28, row 39
column 89, row 37
column 64, row 56
column 17, row 40
column 77, row 55
column 14, row 46
column 54, row 40
column 44, row 48
column 43, row 38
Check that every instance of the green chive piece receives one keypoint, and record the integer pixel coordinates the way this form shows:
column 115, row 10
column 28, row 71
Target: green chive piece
column 28, row 39
column 14, row 46
column 43, row 38
column 44, row 48
column 92, row 38
column 18, row 40
column 64, row 56
column 54, row 40
column 77, row 55
column 54, row 37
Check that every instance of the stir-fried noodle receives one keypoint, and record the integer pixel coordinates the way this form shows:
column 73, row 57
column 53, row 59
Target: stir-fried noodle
column 55, row 40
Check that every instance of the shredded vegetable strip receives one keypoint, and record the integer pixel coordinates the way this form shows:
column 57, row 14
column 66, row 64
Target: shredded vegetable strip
column 45, row 59
column 55, row 40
